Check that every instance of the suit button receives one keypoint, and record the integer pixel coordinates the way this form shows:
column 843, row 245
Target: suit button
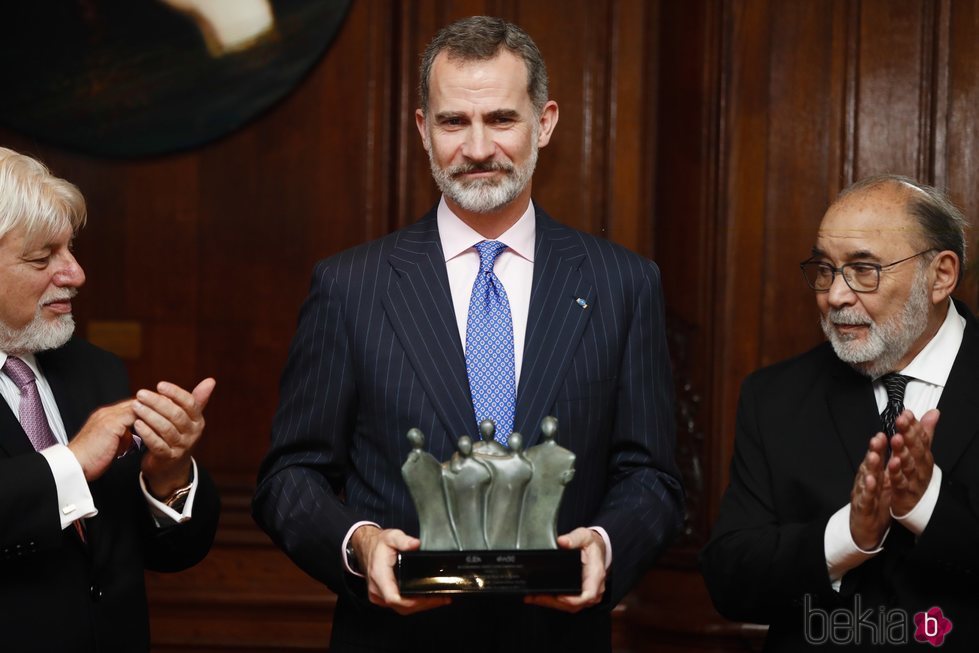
column 95, row 592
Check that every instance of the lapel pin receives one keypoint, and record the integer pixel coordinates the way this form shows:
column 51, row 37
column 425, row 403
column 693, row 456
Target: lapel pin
column 581, row 302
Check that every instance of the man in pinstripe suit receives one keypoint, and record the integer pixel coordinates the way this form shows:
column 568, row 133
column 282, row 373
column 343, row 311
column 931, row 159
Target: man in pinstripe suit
column 381, row 347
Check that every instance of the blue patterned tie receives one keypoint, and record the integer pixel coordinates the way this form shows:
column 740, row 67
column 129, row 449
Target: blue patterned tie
column 489, row 345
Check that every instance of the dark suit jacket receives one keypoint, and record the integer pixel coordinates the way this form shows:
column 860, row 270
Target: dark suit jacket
column 378, row 351
column 803, row 428
column 57, row 594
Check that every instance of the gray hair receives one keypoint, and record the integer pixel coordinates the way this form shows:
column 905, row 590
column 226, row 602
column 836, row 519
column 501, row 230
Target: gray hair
column 479, row 38
column 34, row 200
column 942, row 223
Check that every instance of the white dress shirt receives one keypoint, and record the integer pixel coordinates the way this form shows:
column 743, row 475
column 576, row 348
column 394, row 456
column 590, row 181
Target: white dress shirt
column 74, row 496
column 929, row 372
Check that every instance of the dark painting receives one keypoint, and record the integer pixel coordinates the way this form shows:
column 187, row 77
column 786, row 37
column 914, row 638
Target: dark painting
column 138, row 77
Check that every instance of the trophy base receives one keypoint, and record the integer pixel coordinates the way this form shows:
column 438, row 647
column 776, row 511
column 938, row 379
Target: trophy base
column 552, row 571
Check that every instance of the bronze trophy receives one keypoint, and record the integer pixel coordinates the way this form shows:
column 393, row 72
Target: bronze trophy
column 488, row 517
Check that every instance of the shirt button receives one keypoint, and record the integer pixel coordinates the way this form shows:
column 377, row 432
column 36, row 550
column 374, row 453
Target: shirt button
column 95, row 592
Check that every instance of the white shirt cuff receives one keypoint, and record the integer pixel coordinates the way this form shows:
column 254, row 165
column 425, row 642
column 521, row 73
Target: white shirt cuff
column 346, row 540
column 917, row 520
column 163, row 514
column 842, row 553
column 608, row 544
column 74, row 497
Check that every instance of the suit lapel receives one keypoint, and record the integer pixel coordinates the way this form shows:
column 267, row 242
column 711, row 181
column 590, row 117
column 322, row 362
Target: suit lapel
column 959, row 421
column 853, row 410
column 555, row 323
column 55, row 373
column 13, row 439
column 419, row 306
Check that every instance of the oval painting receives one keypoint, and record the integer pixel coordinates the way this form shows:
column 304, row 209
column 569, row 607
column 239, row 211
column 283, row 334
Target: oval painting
column 129, row 78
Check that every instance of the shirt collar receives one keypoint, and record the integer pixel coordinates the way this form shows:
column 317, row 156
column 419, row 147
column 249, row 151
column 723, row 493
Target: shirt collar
column 934, row 363
column 28, row 358
column 458, row 237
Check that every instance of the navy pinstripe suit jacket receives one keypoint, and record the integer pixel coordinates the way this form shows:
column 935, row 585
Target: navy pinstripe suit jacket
column 377, row 351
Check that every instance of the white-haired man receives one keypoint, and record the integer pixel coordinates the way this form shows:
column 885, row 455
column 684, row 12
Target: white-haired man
column 95, row 485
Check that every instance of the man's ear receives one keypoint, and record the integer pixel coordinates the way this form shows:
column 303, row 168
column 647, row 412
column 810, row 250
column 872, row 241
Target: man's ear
column 946, row 266
column 548, row 121
column 420, row 123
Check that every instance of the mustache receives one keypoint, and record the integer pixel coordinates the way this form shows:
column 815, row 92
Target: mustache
column 848, row 317
column 57, row 295
column 480, row 166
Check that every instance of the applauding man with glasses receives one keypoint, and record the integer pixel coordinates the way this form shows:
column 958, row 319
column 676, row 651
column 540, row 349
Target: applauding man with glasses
column 855, row 479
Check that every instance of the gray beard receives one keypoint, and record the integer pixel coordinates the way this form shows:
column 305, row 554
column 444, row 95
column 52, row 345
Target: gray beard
column 886, row 343
column 484, row 195
column 40, row 334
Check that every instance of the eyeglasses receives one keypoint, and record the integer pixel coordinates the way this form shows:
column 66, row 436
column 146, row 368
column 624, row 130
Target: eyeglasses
column 860, row 277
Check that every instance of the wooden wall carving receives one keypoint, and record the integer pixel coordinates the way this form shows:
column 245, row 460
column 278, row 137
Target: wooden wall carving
column 708, row 134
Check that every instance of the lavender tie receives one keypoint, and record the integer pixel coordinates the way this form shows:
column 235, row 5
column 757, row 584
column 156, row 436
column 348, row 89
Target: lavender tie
column 32, row 417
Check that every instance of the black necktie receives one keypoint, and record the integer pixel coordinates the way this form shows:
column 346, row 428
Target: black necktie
column 895, row 384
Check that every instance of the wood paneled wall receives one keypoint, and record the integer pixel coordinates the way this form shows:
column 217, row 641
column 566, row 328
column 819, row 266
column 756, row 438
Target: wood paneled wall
column 766, row 110
column 707, row 134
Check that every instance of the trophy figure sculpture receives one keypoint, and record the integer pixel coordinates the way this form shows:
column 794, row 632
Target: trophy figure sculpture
column 488, row 516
